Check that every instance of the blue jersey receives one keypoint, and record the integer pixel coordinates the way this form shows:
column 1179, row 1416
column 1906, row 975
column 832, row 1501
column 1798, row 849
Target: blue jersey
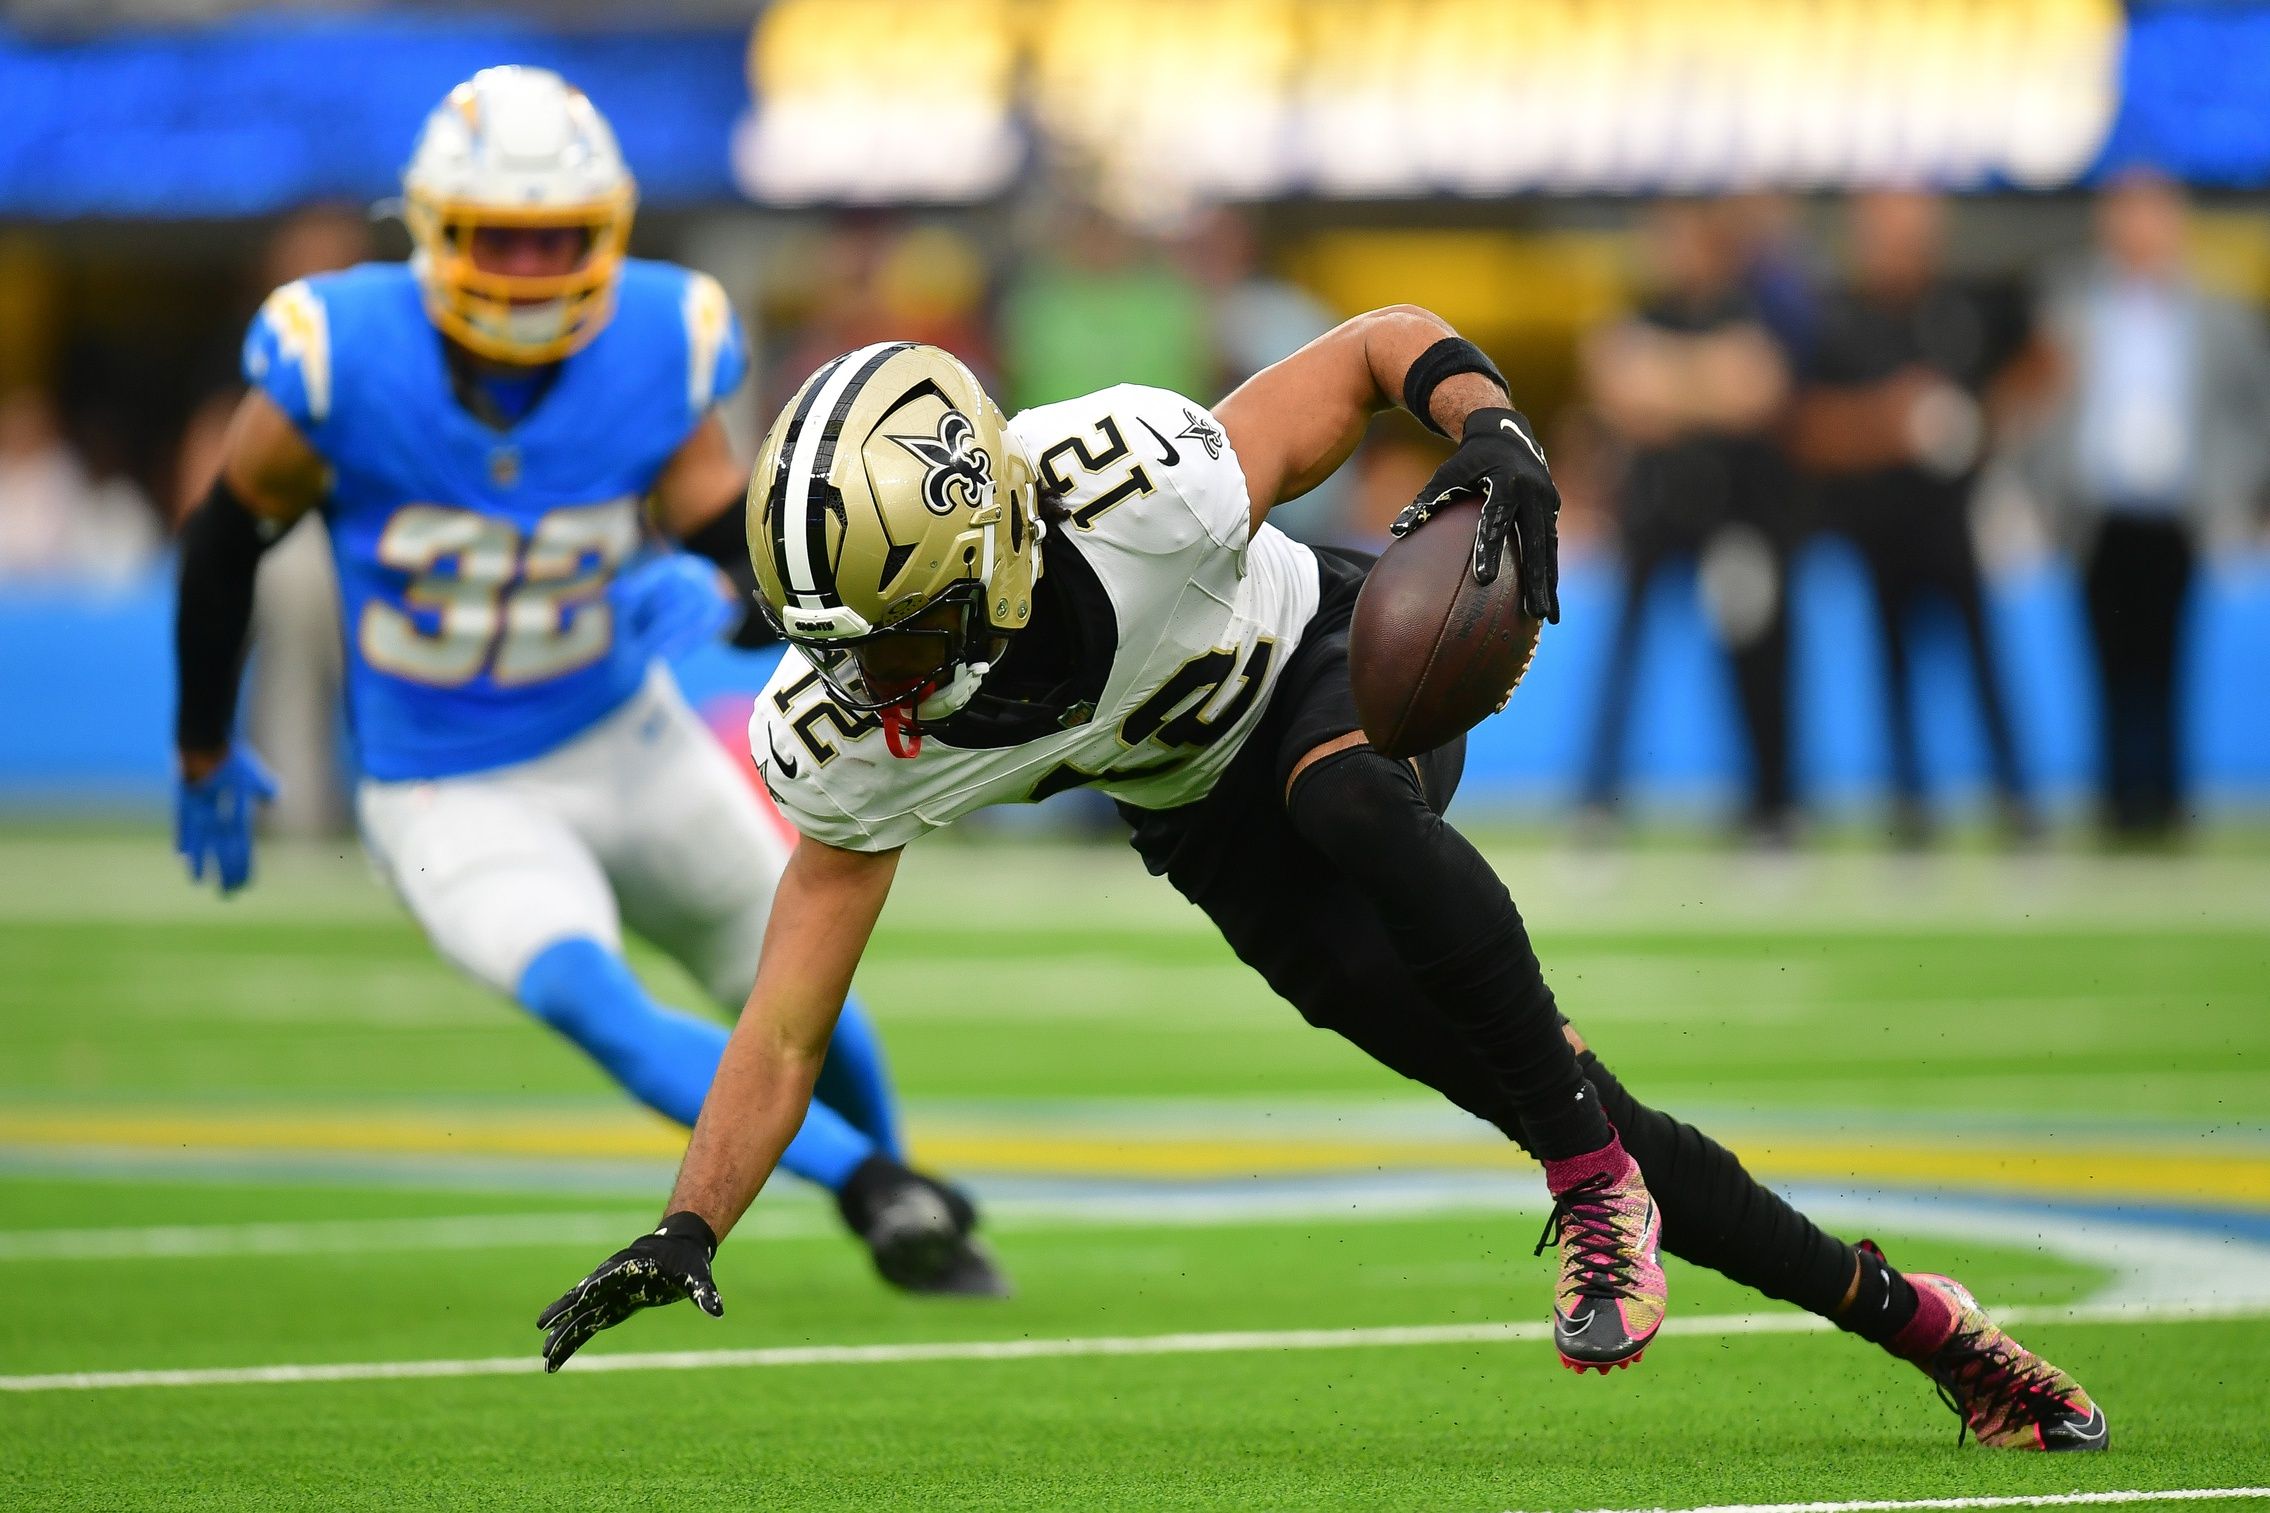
column 474, row 562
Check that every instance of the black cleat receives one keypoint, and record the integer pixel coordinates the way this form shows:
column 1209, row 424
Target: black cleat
column 919, row 1231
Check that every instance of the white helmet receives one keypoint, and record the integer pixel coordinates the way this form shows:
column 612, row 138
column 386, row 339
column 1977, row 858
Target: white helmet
column 517, row 147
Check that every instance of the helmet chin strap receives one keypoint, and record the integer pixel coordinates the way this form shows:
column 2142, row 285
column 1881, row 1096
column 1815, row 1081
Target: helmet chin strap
column 903, row 719
column 900, row 733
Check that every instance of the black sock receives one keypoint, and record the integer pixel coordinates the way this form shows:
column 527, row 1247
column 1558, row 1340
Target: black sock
column 1716, row 1214
column 1880, row 1303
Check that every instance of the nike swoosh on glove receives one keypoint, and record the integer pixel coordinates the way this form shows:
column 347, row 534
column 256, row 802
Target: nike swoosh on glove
column 1499, row 461
column 212, row 818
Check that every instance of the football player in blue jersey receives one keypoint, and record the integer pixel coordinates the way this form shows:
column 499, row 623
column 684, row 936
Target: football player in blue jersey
column 500, row 435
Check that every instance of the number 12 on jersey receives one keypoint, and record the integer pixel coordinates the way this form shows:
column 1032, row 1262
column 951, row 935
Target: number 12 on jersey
column 522, row 611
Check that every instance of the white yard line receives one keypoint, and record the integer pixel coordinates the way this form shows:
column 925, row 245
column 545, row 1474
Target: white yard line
column 1230, row 1341
column 2041, row 1500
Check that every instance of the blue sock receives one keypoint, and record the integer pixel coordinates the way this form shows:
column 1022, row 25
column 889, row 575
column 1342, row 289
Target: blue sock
column 855, row 1082
column 663, row 1058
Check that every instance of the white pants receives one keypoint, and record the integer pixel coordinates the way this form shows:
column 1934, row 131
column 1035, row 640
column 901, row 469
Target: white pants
column 641, row 819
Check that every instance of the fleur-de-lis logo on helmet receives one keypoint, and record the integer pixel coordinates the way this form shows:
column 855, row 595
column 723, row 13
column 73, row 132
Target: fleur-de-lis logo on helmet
column 960, row 473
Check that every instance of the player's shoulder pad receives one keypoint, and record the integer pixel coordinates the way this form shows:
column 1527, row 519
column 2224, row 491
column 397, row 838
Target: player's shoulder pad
column 1144, row 464
column 692, row 308
column 287, row 353
column 305, row 334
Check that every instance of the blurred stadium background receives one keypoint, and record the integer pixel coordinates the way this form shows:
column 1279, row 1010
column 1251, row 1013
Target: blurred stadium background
column 2040, row 1054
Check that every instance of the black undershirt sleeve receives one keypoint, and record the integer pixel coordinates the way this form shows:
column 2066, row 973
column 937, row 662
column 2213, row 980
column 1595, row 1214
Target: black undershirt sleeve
column 723, row 541
column 221, row 545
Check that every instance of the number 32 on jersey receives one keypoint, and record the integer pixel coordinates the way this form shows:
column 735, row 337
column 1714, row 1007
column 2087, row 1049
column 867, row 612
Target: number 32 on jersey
column 481, row 598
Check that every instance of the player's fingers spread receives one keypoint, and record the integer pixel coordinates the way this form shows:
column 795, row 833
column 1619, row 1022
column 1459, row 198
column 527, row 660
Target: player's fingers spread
column 572, row 1298
column 572, row 1334
column 560, row 1306
column 561, row 1344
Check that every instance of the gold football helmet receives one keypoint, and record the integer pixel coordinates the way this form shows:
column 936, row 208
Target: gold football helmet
column 894, row 531
column 517, row 147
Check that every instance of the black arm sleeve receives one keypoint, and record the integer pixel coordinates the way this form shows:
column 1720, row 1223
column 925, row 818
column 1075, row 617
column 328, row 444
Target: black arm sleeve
column 221, row 543
column 724, row 542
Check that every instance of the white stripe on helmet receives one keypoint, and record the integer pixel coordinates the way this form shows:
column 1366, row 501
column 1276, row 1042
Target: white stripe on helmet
column 803, row 488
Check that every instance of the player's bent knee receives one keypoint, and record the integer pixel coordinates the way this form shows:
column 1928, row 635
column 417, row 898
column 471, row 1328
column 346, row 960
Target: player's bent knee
column 1355, row 801
column 1315, row 754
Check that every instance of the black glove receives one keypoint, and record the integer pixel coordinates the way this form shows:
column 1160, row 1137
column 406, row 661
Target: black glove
column 1498, row 459
column 652, row 1270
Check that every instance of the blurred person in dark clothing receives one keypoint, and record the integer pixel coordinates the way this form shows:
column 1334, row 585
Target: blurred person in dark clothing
column 1777, row 271
column 2157, row 448
column 1691, row 387
column 1908, row 371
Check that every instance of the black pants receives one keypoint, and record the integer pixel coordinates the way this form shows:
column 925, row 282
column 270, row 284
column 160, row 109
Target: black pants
column 1914, row 536
column 1319, row 939
column 1761, row 679
column 2137, row 582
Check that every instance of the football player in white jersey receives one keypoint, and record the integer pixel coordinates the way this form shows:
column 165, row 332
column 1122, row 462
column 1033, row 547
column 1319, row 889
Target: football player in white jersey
column 989, row 612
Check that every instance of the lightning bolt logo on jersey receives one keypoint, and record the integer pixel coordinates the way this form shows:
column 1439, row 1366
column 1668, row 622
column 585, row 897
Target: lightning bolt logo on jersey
column 474, row 562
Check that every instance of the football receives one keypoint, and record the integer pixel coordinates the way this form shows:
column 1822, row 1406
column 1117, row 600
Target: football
column 1431, row 652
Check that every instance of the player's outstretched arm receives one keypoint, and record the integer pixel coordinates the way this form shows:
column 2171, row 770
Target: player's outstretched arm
column 822, row 915
column 269, row 477
column 1296, row 421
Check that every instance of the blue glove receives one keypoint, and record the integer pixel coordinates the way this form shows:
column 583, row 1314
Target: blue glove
column 213, row 818
column 670, row 604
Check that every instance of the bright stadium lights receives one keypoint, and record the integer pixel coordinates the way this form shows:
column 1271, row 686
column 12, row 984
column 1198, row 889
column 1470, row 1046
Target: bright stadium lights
column 1175, row 99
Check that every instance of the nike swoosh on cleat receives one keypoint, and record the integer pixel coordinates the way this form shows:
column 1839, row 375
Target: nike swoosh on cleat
column 1168, row 454
column 2091, row 1433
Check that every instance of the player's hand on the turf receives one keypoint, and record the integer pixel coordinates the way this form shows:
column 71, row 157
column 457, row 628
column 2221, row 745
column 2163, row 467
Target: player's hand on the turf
column 212, row 815
column 672, row 603
column 1499, row 460
column 669, row 1264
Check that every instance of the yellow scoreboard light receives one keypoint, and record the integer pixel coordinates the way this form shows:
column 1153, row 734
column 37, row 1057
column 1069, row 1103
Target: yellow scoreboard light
column 1173, row 99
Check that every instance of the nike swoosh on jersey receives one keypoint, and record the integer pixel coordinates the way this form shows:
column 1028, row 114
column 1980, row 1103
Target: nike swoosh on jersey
column 1168, row 454
column 787, row 767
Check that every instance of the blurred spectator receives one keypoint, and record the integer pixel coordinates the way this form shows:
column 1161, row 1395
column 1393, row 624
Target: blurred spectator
column 1906, row 374
column 880, row 279
column 2158, row 445
column 1691, row 387
column 1099, row 306
column 1257, row 319
column 1776, row 271
column 56, row 520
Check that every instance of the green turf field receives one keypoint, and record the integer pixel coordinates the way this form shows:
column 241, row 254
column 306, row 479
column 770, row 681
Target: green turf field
column 1253, row 1271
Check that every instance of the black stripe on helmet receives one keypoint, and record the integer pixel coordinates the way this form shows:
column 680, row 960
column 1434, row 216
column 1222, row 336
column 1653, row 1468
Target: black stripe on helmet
column 817, row 500
column 776, row 498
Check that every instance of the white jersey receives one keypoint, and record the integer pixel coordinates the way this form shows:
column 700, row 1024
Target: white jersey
column 1207, row 611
